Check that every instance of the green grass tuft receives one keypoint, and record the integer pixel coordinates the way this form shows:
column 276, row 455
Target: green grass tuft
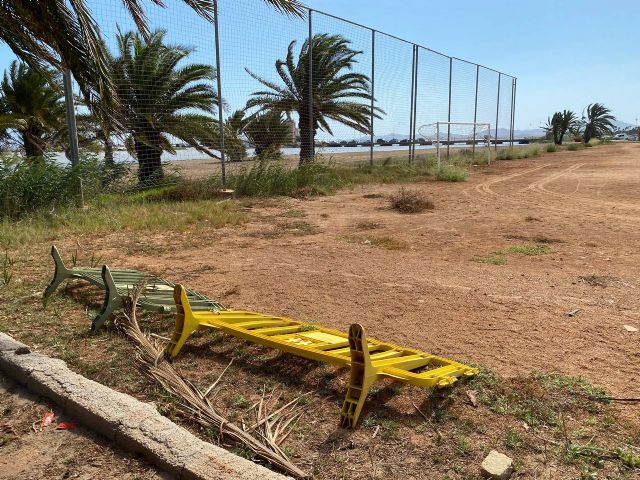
column 531, row 250
column 452, row 173
column 493, row 258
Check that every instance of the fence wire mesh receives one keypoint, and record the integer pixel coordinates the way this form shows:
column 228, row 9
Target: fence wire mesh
column 288, row 89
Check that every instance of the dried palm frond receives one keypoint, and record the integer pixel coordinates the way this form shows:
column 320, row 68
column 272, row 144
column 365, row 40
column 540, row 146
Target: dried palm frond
column 274, row 426
column 151, row 362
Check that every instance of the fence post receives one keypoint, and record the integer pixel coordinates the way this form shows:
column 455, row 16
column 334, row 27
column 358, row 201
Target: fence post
column 412, row 142
column 497, row 112
column 373, row 89
column 312, row 140
column 74, row 151
column 513, row 109
column 449, row 113
column 475, row 115
column 220, row 106
column 413, row 86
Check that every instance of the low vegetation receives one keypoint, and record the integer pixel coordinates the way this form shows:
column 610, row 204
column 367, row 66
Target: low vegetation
column 408, row 200
column 452, row 173
column 499, row 257
column 386, row 242
column 518, row 153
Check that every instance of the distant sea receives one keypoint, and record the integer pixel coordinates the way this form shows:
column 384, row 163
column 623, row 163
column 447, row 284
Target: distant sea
column 122, row 156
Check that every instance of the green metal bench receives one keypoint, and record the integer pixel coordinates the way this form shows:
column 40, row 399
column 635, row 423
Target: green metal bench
column 157, row 295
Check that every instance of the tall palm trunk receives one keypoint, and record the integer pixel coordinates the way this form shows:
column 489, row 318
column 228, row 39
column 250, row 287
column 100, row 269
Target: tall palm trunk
column 108, row 151
column 31, row 147
column 149, row 163
column 307, row 136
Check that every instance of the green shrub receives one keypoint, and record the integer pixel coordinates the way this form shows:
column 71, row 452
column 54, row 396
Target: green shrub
column 574, row 146
column 552, row 147
column 266, row 178
column 29, row 185
column 505, row 154
column 452, row 173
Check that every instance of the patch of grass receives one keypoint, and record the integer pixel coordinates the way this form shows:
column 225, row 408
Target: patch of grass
column 293, row 214
column 368, row 225
column 463, row 446
column 499, row 257
column 572, row 147
column 267, row 178
column 452, row 173
column 410, row 201
column 118, row 213
column 515, row 153
column 493, row 258
column 7, row 269
column 541, row 239
column 570, row 384
column 390, row 429
column 551, row 148
column 531, row 250
column 388, row 243
column 395, row 171
column 512, row 439
column 239, row 401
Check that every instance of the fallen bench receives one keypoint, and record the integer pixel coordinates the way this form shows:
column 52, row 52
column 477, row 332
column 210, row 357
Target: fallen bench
column 369, row 359
column 157, row 295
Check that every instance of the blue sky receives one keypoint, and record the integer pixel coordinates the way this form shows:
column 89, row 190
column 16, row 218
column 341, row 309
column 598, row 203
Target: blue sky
column 565, row 54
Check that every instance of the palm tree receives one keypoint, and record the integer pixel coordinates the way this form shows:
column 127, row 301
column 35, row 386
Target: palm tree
column 560, row 123
column 64, row 35
column 161, row 100
column 337, row 93
column 31, row 105
column 268, row 133
column 599, row 121
column 234, row 126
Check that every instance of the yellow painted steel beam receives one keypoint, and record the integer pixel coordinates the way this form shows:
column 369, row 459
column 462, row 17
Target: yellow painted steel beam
column 325, row 345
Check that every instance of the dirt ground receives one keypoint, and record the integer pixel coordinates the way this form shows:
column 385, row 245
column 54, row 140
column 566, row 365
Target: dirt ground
column 429, row 293
column 30, row 451
column 453, row 281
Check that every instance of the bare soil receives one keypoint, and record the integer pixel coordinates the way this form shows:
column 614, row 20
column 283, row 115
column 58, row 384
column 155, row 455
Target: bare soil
column 428, row 280
column 30, row 451
column 431, row 294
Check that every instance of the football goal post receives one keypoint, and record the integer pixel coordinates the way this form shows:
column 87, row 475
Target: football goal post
column 469, row 135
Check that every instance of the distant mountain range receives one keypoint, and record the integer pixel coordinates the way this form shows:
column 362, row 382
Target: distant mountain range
column 502, row 134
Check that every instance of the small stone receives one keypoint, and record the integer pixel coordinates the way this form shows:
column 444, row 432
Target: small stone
column 497, row 466
column 629, row 328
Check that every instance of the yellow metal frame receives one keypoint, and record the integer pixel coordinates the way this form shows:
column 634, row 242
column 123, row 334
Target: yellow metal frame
column 369, row 359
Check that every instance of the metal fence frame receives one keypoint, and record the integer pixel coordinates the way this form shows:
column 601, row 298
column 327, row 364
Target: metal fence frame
column 413, row 93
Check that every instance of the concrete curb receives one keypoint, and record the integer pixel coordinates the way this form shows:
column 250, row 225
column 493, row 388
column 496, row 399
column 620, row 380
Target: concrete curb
column 134, row 425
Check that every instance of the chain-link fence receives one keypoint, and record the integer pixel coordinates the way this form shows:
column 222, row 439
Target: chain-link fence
column 207, row 98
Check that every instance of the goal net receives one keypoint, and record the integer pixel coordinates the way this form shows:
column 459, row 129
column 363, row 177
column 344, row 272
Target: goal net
column 451, row 138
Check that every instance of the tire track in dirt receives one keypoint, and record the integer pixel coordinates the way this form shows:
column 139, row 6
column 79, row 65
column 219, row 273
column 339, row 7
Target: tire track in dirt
column 539, row 186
